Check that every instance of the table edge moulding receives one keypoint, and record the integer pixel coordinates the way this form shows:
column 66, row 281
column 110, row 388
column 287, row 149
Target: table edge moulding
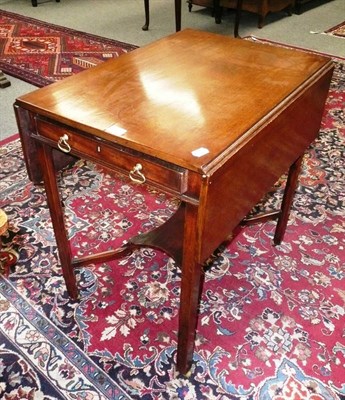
column 213, row 120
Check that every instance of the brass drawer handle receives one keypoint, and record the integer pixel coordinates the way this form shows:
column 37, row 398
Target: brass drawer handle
column 136, row 175
column 63, row 144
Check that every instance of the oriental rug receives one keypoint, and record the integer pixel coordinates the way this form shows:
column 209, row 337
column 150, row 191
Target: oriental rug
column 271, row 323
column 41, row 53
column 338, row 30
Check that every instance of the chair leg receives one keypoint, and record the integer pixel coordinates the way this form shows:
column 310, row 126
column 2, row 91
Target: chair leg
column 237, row 18
column 261, row 21
column 218, row 11
column 147, row 15
column 178, row 15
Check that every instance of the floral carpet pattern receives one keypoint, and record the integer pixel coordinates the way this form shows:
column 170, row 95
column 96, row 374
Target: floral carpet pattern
column 42, row 53
column 271, row 322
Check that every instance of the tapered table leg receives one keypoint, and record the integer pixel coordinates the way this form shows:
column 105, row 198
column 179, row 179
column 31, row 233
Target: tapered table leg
column 191, row 282
column 281, row 215
column 183, row 223
column 57, row 216
column 288, row 196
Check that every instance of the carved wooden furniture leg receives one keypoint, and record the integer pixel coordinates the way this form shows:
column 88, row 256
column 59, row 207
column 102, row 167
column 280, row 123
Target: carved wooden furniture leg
column 177, row 15
column 147, row 15
column 261, row 22
column 238, row 17
column 4, row 82
column 289, row 10
column 218, row 11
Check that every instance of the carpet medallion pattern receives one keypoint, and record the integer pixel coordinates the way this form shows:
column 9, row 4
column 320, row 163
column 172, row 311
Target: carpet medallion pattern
column 42, row 53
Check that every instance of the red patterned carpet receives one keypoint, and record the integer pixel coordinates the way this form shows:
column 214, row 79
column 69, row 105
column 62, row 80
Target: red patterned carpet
column 41, row 53
column 271, row 322
column 338, row 30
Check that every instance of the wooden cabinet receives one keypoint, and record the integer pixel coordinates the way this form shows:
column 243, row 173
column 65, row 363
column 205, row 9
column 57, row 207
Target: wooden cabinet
column 202, row 3
column 299, row 3
column 260, row 7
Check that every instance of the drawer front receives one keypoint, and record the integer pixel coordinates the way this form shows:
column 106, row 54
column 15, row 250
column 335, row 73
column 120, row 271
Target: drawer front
column 137, row 166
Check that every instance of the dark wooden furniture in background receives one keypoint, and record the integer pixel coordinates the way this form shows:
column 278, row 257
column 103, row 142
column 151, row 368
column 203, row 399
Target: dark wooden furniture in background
column 177, row 15
column 214, row 4
column 34, row 2
column 260, row 7
column 148, row 115
column 202, row 3
column 300, row 3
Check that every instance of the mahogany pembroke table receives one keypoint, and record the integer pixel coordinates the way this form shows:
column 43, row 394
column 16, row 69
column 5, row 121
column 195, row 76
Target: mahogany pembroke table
column 210, row 119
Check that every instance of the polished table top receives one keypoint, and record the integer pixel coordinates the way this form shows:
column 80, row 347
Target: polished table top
column 188, row 112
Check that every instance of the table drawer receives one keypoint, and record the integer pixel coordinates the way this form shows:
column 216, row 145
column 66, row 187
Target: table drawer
column 139, row 167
